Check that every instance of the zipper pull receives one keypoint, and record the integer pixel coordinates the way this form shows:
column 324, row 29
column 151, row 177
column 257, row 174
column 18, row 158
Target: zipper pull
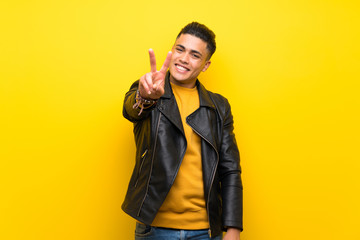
column 143, row 155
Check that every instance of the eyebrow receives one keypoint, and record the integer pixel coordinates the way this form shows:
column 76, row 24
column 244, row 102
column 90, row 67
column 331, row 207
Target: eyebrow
column 192, row 51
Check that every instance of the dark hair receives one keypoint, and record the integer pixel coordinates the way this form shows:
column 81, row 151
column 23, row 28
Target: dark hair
column 204, row 33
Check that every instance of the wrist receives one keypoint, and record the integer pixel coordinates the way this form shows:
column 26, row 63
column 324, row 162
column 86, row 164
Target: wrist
column 144, row 99
column 143, row 103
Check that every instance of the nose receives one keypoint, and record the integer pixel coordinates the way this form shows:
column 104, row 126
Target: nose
column 184, row 58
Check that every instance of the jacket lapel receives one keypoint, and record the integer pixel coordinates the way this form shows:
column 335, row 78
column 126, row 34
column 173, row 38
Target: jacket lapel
column 168, row 106
column 204, row 119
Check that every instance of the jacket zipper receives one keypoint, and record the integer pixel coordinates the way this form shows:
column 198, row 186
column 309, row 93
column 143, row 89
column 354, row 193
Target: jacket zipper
column 151, row 166
column 212, row 179
column 140, row 168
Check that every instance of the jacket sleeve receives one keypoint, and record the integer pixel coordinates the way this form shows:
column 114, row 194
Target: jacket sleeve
column 230, row 174
column 131, row 113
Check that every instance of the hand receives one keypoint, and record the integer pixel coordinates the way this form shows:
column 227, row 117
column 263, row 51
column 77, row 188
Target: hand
column 151, row 85
column 232, row 234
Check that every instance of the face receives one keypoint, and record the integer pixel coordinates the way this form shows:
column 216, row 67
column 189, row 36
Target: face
column 189, row 59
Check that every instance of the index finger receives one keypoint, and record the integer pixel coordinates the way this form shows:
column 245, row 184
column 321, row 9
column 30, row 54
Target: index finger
column 152, row 60
column 166, row 64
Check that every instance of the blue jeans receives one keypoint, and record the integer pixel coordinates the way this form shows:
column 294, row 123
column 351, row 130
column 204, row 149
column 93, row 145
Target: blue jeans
column 146, row 232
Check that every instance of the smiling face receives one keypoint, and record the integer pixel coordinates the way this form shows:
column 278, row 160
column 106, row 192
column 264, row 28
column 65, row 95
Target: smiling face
column 189, row 59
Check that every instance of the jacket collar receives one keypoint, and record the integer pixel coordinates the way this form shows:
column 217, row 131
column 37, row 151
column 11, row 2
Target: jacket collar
column 205, row 100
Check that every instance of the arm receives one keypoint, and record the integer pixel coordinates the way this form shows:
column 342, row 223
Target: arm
column 149, row 87
column 230, row 176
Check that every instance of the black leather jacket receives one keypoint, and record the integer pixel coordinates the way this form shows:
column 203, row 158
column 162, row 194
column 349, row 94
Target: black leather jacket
column 160, row 147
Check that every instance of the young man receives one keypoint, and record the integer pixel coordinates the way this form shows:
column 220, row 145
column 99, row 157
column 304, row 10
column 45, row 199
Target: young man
column 186, row 182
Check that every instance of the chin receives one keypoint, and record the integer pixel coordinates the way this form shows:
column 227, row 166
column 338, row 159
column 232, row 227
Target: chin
column 177, row 77
column 180, row 79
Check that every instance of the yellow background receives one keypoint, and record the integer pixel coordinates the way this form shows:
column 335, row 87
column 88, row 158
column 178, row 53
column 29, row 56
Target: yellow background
column 289, row 68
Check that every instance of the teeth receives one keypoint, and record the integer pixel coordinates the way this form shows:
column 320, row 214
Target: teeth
column 181, row 68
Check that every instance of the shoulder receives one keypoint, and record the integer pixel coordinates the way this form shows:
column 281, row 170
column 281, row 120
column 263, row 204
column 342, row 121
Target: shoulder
column 215, row 97
column 218, row 97
column 221, row 103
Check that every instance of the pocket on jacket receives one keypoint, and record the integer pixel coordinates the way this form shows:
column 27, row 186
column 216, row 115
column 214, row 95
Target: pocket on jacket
column 142, row 160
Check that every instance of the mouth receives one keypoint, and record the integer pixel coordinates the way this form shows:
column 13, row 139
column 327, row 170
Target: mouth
column 181, row 68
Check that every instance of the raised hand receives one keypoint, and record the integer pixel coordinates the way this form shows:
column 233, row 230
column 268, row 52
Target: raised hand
column 151, row 85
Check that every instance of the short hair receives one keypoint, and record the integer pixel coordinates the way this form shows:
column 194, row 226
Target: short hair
column 204, row 33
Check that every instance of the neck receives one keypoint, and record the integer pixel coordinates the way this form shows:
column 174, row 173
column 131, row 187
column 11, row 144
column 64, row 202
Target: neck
column 186, row 84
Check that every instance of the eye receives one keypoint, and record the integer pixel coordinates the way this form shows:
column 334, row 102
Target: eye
column 196, row 56
column 179, row 49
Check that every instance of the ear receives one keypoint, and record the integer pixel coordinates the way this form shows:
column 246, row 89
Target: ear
column 207, row 64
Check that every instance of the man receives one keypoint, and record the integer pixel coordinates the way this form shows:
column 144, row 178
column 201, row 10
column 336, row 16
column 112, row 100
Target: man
column 186, row 182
